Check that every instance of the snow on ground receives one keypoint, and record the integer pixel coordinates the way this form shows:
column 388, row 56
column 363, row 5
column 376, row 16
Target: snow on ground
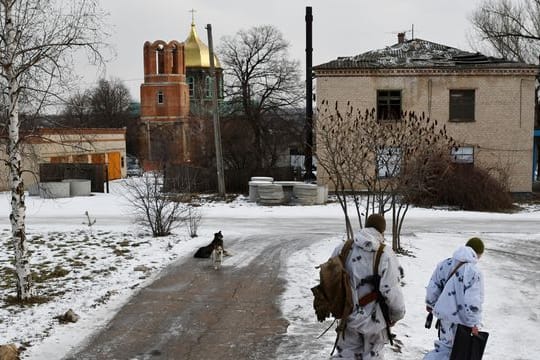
column 94, row 270
column 512, row 306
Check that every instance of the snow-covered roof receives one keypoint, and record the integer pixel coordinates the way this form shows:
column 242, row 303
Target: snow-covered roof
column 418, row 53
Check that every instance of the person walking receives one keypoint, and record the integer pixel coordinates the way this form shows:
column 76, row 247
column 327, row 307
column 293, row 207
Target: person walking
column 454, row 295
column 366, row 329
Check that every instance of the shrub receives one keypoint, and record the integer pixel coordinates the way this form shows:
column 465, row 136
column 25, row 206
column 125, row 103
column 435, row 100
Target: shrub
column 472, row 188
column 437, row 181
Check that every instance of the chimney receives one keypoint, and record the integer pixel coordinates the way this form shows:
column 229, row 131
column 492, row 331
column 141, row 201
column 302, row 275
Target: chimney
column 401, row 38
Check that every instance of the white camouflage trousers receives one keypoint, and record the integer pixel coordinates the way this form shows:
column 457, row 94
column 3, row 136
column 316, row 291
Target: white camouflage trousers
column 443, row 346
column 356, row 346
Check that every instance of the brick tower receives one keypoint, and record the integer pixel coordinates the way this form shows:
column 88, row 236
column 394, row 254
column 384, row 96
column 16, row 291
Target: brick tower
column 164, row 126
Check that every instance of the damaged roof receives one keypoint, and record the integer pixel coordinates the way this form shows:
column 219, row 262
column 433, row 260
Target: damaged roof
column 418, row 53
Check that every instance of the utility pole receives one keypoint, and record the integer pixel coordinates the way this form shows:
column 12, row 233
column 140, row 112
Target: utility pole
column 308, row 152
column 217, row 130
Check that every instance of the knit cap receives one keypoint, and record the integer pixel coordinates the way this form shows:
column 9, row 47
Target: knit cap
column 376, row 221
column 476, row 244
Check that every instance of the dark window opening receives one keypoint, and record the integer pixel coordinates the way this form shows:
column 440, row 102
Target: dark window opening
column 160, row 97
column 174, row 60
column 388, row 104
column 191, row 86
column 160, row 60
column 462, row 105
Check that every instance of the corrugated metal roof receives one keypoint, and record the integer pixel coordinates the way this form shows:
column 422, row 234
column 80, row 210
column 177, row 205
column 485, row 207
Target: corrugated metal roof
column 418, row 53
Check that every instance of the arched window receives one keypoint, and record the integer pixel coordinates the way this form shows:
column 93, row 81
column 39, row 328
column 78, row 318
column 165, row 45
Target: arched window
column 175, row 60
column 160, row 59
column 208, row 87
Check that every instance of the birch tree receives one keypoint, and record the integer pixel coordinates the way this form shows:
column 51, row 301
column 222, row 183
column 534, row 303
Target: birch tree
column 37, row 43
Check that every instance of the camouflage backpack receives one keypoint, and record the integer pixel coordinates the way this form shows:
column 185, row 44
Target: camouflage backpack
column 333, row 295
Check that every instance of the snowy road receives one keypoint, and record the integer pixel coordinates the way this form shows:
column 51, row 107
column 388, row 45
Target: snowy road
column 511, row 266
column 280, row 246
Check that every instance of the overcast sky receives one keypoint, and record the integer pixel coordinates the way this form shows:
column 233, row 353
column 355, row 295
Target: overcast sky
column 340, row 27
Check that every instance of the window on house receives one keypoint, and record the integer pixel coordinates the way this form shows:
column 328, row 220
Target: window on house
column 191, row 86
column 462, row 105
column 208, row 87
column 388, row 104
column 463, row 154
column 388, row 162
column 160, row 97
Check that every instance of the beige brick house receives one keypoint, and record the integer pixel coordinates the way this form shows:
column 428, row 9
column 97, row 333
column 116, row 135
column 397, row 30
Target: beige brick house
column 486, row 103
column 83, row 146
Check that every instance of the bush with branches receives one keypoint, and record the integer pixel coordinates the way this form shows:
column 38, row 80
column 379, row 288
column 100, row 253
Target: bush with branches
column 372, row 161
column 151, row 207
column 387, row 165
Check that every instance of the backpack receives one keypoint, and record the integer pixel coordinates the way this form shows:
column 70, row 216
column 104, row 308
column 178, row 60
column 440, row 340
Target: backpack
column 333, row 296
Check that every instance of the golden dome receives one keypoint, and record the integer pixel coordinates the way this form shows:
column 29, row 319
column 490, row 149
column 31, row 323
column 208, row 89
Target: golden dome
column 196, row 53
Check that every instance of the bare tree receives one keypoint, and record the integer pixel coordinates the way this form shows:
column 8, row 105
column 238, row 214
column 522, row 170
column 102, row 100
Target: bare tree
column 511, row 27
column 260, row 80
column 104, row 106
column 77, row 112
column 109, row 102
column 154, row 209
column 373, row 162
column 281, row 131
column 37, row 39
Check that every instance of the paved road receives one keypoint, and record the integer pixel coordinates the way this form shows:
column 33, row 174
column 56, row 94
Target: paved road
column 196, row 313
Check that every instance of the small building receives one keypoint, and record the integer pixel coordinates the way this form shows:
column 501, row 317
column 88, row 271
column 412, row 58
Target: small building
column 486, row 103
column 69, row 146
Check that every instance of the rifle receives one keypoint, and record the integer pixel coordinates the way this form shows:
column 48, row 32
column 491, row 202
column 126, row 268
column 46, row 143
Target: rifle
column 376, row 295
column 384, row 308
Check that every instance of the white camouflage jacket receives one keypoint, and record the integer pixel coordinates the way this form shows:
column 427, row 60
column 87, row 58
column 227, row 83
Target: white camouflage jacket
column 460, row 299
column 369, row 319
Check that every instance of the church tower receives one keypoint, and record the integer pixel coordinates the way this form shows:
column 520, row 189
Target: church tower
column 164, row 127
column 176, row 103
column 199, row 78
column 200, row 82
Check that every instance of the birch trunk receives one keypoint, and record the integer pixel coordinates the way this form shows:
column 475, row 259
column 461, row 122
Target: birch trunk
column 18, row 208
column 37, row 40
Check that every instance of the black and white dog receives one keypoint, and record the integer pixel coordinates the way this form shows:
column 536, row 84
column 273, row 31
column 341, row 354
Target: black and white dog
column 206, row 251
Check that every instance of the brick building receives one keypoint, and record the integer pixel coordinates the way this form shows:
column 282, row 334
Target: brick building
column 486, row 103
column 69, row 146
column 163, row 134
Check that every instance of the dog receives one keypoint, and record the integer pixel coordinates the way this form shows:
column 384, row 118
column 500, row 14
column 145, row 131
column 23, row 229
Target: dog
column 206, row 251
column 217, row 257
